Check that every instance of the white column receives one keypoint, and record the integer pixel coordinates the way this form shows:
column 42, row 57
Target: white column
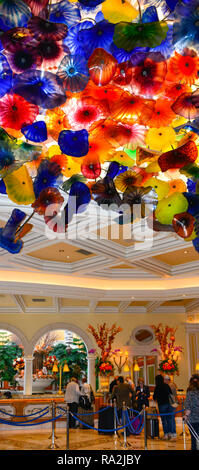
column 91, row 371
column 28, row 375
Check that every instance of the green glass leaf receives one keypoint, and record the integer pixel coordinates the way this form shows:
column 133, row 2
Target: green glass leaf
column 130, row 35
column 67, row 184
column 131, row 153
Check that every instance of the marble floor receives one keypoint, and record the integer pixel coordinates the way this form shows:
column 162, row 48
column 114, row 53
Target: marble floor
column 82, row 439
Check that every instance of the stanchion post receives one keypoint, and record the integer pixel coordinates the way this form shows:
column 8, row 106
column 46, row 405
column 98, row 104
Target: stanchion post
column 67, row 427
column 53, row 445
column 115, row 417
column 124, row 423
column 145, row 426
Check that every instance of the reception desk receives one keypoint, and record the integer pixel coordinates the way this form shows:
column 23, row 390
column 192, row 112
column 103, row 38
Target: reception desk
column 24, row 409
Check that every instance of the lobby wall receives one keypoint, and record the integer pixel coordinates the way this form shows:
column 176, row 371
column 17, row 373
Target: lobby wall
column 30, row 324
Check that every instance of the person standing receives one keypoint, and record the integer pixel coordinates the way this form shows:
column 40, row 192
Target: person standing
column 123, row 394
column 173, row 388
column 142, row 394
column 192, row 408
column 72, row 395
column 161, row 395
column 86, row 390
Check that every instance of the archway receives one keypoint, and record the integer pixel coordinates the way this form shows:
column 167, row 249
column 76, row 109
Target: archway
column 29, row 356
column 11, row 356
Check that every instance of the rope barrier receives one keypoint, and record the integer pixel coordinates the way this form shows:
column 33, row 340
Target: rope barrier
column 24, row 416
column 88, row 414
column 29, row 423
column 97, row 429
column 141, row 424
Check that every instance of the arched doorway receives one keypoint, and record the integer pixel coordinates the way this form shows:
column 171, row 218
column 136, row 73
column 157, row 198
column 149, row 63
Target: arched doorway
column 75, row 332
column 11, row 357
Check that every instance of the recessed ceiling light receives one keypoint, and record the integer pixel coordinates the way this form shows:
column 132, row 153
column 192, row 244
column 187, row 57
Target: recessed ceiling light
column 68, row 257
column 185, row 252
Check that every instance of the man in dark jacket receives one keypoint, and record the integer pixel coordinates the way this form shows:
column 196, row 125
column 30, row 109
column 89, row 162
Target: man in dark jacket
column 142, row 394
column 123, row 394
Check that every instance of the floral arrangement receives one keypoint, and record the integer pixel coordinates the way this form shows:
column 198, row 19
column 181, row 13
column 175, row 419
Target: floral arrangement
column 99, row 103
column 170, row 366
column 49, row 362
column 166, row 338
column 105, row 368
column 104, row 337
column 19, row 363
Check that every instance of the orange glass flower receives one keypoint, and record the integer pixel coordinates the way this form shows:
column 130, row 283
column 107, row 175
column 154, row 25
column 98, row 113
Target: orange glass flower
column 55, row 121
column 183, row 67
column 162, row 114
column 129, row 106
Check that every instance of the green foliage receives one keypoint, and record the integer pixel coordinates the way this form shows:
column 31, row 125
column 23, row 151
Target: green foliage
column 76, row 358
column 8, row 352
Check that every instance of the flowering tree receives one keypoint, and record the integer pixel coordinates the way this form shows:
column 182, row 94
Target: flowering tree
column 166, row 338
column 104, row 337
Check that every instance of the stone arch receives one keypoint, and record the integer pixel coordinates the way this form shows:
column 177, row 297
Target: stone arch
column 60, row 326
column 17, row 332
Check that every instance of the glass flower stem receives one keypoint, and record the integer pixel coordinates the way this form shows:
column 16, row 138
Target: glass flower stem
column 26, row 221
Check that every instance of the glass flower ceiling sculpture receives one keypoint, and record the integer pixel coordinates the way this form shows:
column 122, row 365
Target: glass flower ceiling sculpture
column 99, row 100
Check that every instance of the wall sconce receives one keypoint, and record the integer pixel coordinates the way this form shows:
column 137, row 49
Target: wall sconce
column 120, row 359
column 136, row 367
column 197, row 366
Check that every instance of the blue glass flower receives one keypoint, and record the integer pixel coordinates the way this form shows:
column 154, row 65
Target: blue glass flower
column 74, row 73
column 14, row 13
column 65, row 12
column 8, row 233
column 72, row 41
column 2, row 187
column 186, row 23
column 74, row 143
column 41, row 88
column 191, row 185
column 195, row 243
column 82, row 196
column 99, row 36
column 150, row 15
column 48, row 176
column 36, row 132
column 91, row 3
column 5, row 76
column 193, row 201
column 115, row 169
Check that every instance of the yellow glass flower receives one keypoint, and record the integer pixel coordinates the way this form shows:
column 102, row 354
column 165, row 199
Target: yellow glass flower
column 161, row 139
column 19, row 186
column 160, row 187
column 127, row 180
column 118, row 10
column 54, row 150
column 122, row 158
column 72, row 168
column 170, row 206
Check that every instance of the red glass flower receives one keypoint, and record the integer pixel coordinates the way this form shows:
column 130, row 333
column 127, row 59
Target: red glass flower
column 16, row 112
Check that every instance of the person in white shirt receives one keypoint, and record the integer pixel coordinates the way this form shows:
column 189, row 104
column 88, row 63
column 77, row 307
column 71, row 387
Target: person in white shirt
column 86, row 388
column 72, row 395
